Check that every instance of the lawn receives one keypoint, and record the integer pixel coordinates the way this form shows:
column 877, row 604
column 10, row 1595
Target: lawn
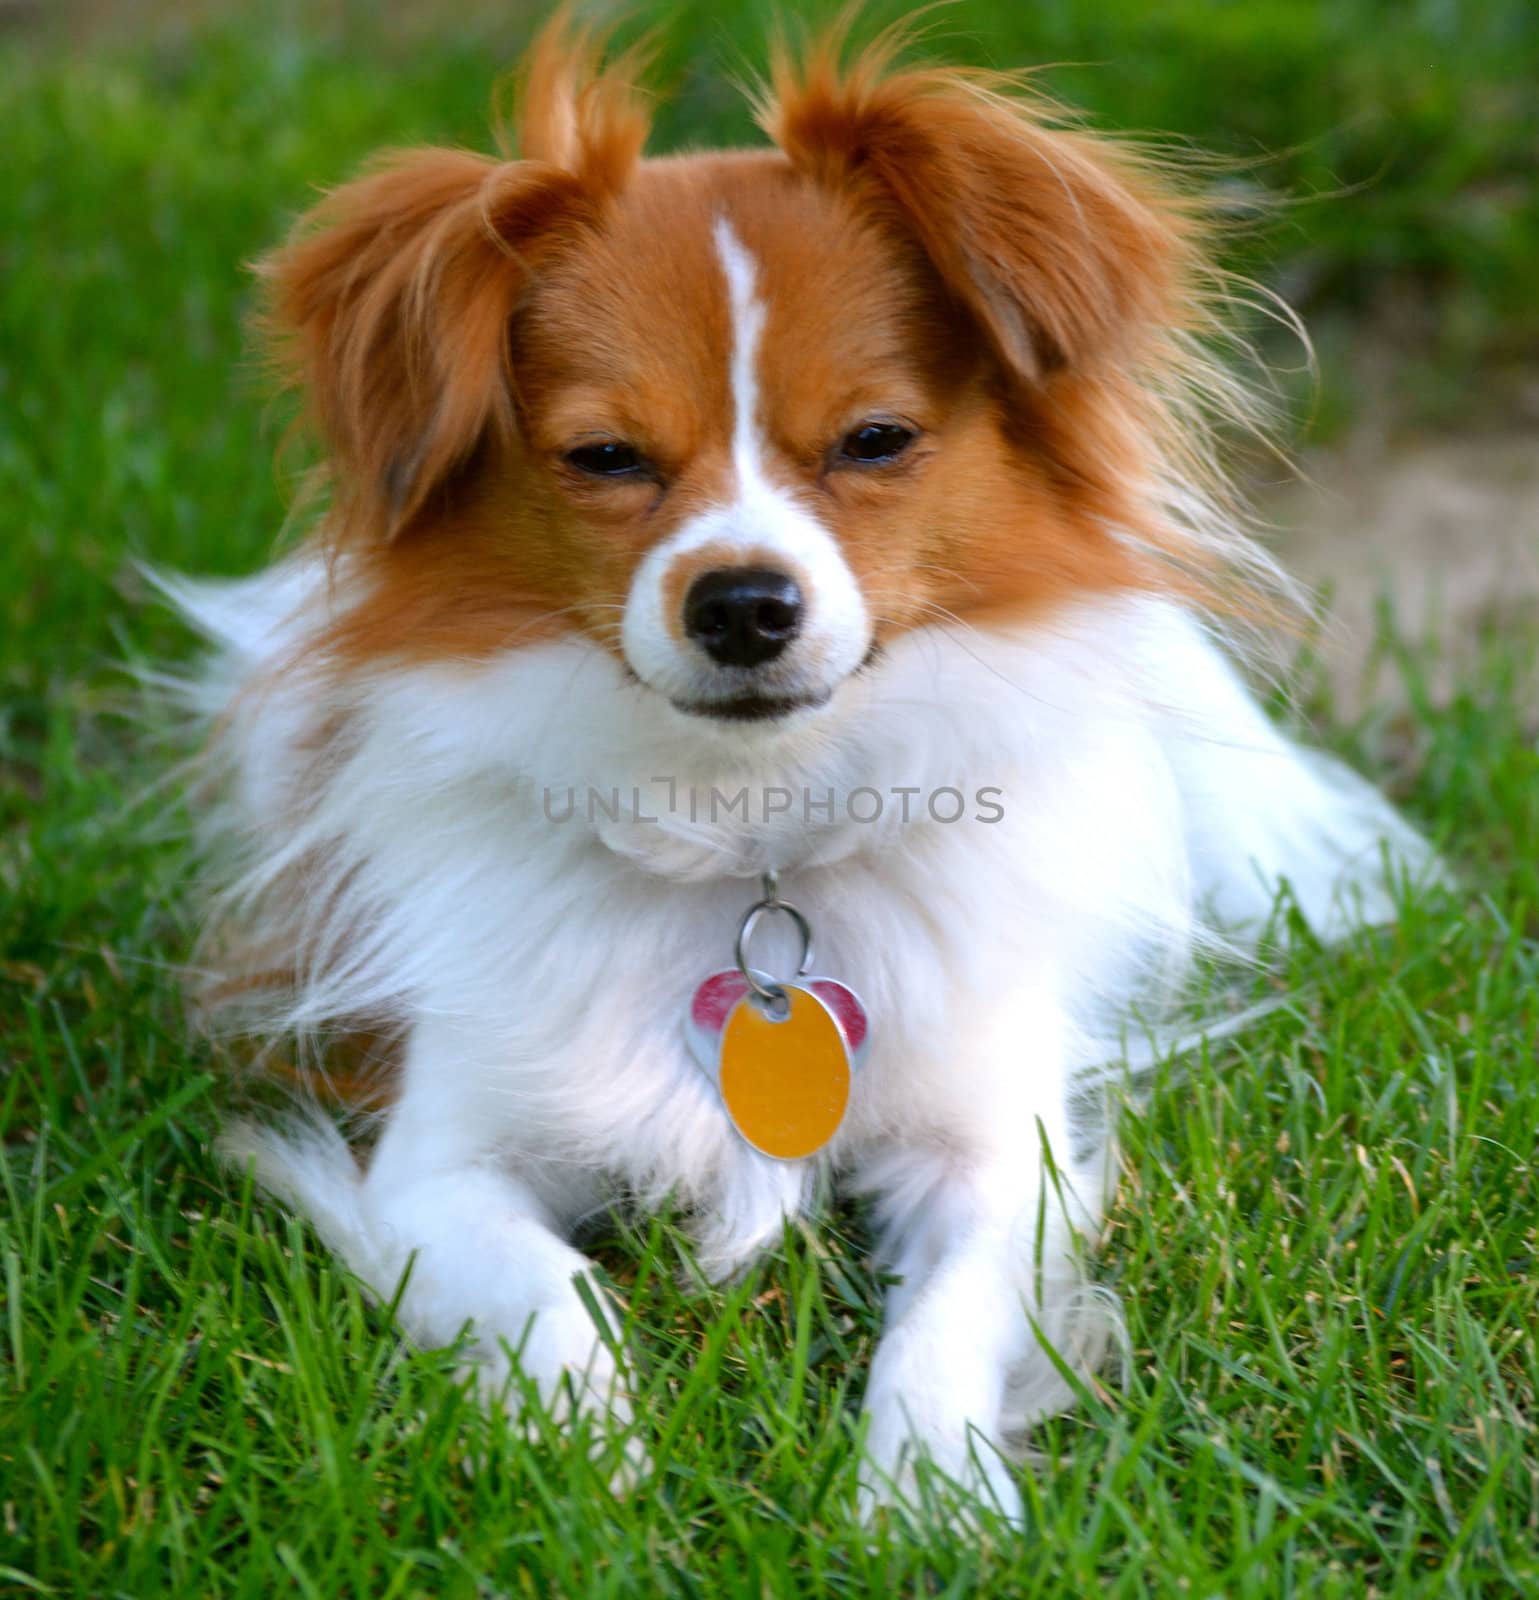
column 1325, row 1238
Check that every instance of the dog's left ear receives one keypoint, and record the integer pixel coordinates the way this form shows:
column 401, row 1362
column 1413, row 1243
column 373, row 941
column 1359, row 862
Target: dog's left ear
column 1057, row 242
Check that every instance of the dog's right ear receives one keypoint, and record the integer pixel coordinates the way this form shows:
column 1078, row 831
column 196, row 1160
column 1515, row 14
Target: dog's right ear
column 389, row 306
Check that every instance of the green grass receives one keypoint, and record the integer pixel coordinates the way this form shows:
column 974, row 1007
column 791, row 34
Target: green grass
column 1326, row 1234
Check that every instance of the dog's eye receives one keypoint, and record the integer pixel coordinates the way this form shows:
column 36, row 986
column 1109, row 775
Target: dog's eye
column 609, row 459
column 874, row 442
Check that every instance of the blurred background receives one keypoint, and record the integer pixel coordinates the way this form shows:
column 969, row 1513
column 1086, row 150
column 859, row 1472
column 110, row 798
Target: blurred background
column 152, row 148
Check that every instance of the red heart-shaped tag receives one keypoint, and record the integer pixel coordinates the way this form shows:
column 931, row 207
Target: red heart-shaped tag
column 716, row 998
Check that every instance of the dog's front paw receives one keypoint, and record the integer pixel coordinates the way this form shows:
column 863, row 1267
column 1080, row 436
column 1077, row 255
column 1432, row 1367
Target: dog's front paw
column 920, row 1478
column 558, row 1366
column 925, row 1454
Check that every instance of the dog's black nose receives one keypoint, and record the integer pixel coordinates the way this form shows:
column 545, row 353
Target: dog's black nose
column 742, row 616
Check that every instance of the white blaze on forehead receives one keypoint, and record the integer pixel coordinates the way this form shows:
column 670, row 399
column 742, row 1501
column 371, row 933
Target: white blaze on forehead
column 759, row 518
column 747, row 329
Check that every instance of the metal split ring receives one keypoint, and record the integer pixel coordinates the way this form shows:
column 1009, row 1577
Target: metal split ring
column 771, row 994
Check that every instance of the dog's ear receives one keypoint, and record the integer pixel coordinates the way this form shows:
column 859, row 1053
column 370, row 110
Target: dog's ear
column 389, row 306
column 1059, row 244
column 389, row 310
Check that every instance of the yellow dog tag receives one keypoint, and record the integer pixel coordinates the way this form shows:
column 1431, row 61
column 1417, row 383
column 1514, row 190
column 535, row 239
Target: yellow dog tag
column 785, row 1083
column 779, row 1053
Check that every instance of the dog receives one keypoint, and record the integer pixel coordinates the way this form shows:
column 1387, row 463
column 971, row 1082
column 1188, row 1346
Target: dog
column 725, row 557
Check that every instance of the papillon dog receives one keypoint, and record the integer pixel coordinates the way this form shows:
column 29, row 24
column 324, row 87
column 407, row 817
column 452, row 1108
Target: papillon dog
column 751, row 716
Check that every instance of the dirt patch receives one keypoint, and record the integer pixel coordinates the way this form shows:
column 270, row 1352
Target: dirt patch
column 1445, row 530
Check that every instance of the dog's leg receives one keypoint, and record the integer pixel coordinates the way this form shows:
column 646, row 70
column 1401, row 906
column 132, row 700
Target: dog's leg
column 981, row 1236
column 481, row 1243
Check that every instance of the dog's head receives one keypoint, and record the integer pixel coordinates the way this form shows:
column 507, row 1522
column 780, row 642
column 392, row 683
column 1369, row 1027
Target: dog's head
column 740, row 418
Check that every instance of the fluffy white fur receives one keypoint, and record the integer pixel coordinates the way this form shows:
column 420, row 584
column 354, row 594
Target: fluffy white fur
column 539, row 970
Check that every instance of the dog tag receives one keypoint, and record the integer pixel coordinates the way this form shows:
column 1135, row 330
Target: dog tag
column 785, row 1081
column 779, row 1052
column 785, row 1084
